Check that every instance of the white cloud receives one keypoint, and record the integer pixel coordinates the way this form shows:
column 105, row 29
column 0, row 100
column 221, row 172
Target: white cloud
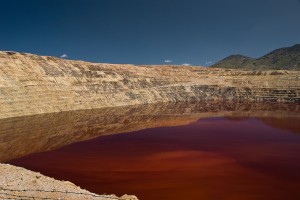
column 168, row 61
column 186, row 64
column 209, row 63
column 64, row 56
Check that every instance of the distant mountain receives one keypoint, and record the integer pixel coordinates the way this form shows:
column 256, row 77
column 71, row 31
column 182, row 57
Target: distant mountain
column 234, row 61
column 284, row 58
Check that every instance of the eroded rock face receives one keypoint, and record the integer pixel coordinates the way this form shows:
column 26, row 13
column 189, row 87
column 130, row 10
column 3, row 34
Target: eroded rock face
column 31, row 84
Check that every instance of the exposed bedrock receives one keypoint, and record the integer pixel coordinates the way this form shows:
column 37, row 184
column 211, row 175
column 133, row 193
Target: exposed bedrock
column 31, row 84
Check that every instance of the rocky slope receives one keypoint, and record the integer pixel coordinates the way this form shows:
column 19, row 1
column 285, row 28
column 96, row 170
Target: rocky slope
column 279, row 59
column 19, row 183
column 31, row 84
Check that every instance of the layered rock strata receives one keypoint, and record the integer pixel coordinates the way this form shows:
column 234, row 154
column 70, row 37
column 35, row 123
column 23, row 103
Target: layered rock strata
column 31, row 84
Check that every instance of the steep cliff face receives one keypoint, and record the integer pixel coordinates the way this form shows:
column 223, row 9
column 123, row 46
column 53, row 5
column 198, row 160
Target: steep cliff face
column 31, row 84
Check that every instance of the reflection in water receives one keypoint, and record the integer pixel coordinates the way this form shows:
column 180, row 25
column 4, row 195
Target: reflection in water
column 37, row 133
column 239, row 152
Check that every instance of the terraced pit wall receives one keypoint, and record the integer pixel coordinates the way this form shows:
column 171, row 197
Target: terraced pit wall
column 32, row 84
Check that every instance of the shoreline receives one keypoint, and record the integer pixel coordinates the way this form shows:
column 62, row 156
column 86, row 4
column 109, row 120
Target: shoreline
column 20, row 183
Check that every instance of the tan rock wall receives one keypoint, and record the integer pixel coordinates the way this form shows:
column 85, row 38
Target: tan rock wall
column 31, row 84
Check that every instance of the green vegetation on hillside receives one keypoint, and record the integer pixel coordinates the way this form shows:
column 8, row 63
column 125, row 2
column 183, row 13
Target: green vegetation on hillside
column 280, row 59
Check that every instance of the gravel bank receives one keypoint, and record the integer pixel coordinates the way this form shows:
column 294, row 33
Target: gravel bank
column 19, row 183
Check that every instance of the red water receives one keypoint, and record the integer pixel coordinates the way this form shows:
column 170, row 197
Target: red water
column 209, row 159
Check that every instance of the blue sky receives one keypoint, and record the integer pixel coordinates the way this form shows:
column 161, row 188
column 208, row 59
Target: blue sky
column 149, row 31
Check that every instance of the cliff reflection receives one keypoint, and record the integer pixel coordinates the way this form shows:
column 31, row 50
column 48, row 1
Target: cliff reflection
column 22, row 136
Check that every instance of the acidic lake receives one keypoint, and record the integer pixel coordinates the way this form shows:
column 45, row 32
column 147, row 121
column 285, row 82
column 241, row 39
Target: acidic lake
column 165, row 151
